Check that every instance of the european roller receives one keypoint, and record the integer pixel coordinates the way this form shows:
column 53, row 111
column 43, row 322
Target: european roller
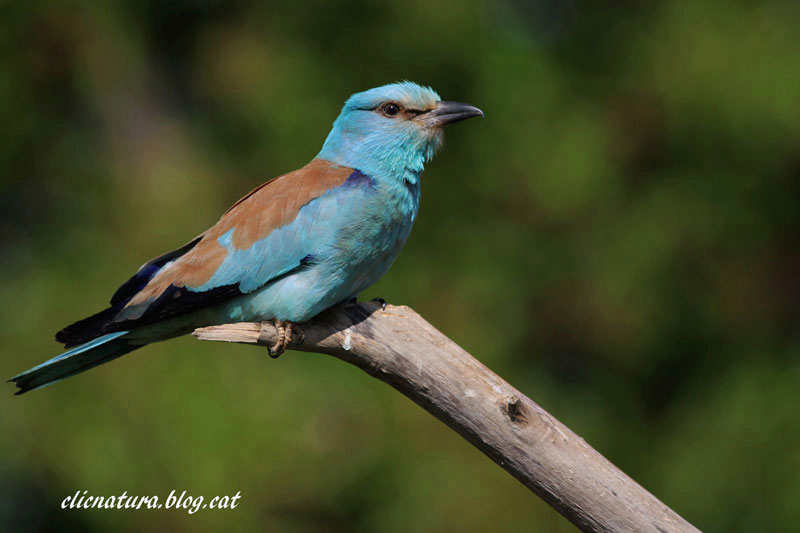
column 291, row 248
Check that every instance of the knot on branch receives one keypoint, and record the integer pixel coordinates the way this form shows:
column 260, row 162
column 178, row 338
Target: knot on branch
column 515, row 410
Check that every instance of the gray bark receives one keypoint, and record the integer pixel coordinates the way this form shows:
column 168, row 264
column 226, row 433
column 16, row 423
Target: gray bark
column 397, row 346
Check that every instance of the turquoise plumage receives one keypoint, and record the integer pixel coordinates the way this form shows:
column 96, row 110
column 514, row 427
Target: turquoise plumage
column 288, row 250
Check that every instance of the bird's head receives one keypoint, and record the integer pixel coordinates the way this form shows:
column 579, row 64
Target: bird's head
column 392, row 129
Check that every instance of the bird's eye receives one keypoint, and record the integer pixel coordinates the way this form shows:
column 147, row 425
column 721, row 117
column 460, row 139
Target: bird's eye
column 390, row 110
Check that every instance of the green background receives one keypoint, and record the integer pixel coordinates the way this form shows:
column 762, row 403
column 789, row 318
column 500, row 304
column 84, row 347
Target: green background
column 618, row 238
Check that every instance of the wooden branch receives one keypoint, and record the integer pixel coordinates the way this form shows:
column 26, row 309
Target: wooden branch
column 399, row 347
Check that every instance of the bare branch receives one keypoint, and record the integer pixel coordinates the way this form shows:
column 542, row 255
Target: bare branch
column 399, row 347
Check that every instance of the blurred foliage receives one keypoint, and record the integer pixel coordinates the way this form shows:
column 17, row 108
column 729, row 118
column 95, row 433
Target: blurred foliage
column 618, row 238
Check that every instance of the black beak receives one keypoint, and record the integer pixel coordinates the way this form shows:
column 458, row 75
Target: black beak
column 449, row 113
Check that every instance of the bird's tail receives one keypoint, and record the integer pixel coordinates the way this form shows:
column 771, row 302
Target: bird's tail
column 88, row 355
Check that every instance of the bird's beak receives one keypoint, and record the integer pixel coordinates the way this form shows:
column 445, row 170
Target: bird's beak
column 448, row 113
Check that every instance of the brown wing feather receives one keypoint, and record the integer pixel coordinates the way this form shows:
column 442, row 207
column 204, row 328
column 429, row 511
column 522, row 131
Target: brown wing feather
column 264, row 209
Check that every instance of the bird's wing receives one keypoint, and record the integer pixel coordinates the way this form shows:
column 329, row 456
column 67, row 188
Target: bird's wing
column 254, row 242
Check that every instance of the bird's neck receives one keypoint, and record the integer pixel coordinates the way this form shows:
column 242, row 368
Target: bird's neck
column 396, row 176
column 397, row 157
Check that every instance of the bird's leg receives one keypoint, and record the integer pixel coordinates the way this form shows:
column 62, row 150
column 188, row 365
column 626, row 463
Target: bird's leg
column 284, row 329
column 288, row 336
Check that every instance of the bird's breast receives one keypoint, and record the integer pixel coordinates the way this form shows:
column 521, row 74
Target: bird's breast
column 350, row 237
column 378, row 225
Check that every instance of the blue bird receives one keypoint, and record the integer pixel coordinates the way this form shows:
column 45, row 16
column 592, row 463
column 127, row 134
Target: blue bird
column 291, row 248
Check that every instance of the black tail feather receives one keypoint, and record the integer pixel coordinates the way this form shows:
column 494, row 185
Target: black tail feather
column 87, row 329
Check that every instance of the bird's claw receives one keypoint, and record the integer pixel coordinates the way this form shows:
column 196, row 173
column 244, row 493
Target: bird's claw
column 380, row 301
column 285, row 330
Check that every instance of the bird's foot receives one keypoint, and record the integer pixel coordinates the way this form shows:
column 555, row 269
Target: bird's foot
column 380, row 301
column 285, row 331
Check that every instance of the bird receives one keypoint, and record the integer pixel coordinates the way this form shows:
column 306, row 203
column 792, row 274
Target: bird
column 291, row 248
